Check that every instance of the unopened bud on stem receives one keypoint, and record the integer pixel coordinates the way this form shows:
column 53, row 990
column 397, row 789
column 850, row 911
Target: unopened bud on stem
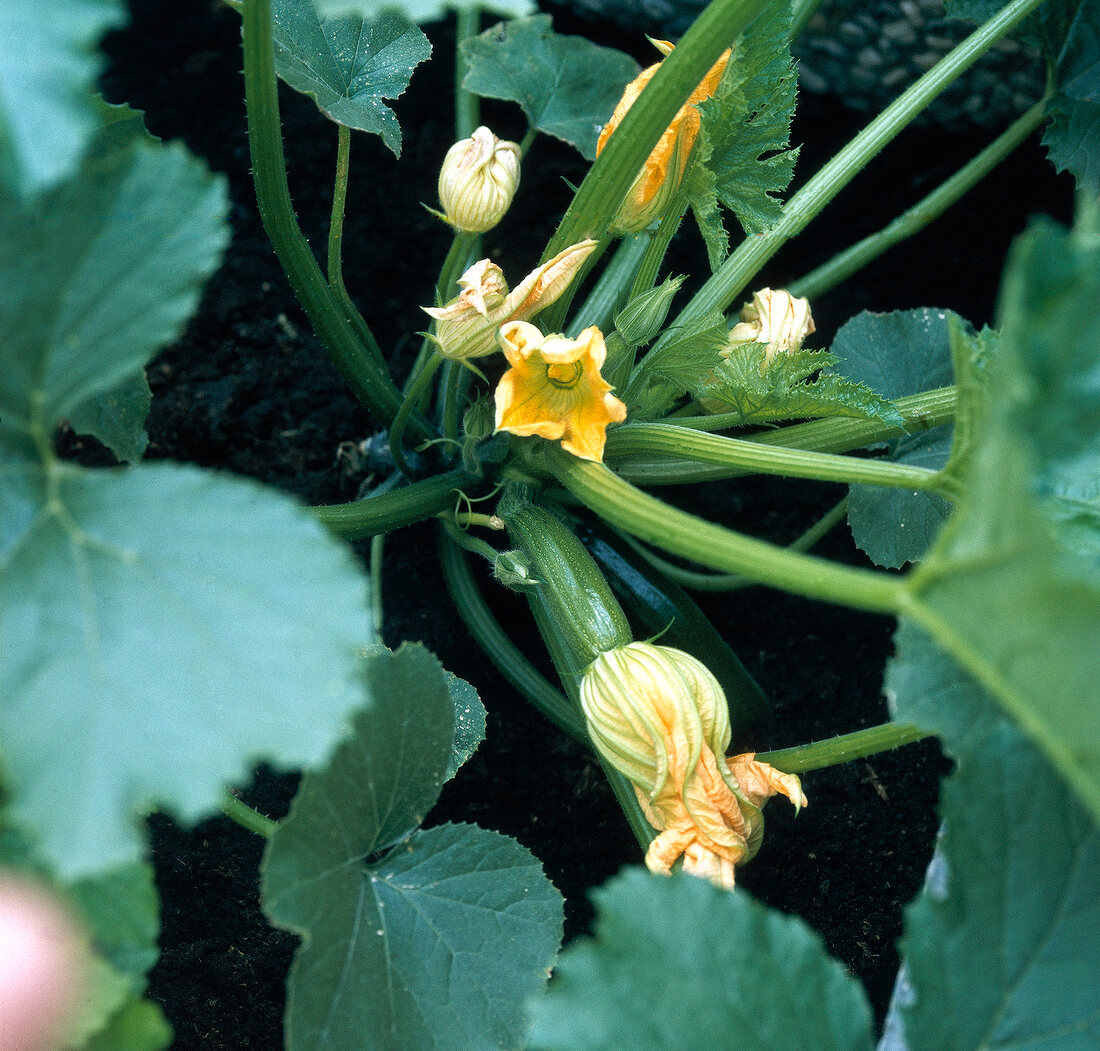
column 478, row 181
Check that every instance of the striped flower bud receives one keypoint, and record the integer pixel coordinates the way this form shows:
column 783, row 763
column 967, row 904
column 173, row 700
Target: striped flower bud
column 478, row 180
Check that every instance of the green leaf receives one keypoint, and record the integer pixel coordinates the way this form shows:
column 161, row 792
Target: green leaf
column 567, row 86
column 1004, row 590
column 348, row 63
column 421, row 11
column 679, row 361
column 469, row 723
column 138, row 1026
column 762, row 393
column 898, row 354
column 678, row 963
column 158, row 640
column 117, row 417
column 1002, row 947
column 433, row 943
column 745, row 134
column 50, row 65
column 1073, row 137
column 99, row 273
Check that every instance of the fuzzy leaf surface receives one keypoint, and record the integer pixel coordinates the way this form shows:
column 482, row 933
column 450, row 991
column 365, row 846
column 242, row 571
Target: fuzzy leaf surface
column 1073, row 136
column 117, row 418
column 743, row 159
column 49, row 64
column 760, row 393
column 1003, row 944
column 426, row 939
column 348, row 63
column 567, row 86
column 421, row 11
column 99, row 273
column 677, row 962
column 155, row 649
column 898, row 354
column 1005, row 590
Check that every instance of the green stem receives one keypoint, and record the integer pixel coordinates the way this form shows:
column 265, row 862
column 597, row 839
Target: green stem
column 528, row 140
column 401, row 507
column 335, row 246
column 801, row 12
column 377, row 546
column 492, row 638
column 474, row 544
column 609, row 293
column 371, row 383
column 688, row 536
column 609, row 179
column 696, row 581
column 848, row 262
column 467, row 115
column 416, row 388
column 246, row 817
column 664, row 439
column 843, row 749
column 920, row 412
column 650, row 266
column 743, row 264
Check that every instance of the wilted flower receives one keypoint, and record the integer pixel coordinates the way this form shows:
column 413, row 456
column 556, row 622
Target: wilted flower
column 659, row 179
column 775, row 318
column 478, row 180
column 660, row 718
column 467, row 325
column 554, row 389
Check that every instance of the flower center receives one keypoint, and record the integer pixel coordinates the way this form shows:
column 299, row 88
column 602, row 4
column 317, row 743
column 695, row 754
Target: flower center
column 565, row 377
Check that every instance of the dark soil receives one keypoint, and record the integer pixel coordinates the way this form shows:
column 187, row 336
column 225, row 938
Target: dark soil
column 249, row 389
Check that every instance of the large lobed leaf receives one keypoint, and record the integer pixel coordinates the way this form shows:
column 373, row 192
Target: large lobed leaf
column 156, row 632
column 678, row 963
column 348, row 63
column 742, row 159
column 898, row 354
column 1073, row 136
column 1007, row 589
column 48, row 69
column 1002, row 947
column 426, row 939
column 567, row 86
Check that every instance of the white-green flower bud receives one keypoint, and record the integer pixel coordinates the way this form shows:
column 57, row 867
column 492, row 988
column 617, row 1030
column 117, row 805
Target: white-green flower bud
column 478, row 181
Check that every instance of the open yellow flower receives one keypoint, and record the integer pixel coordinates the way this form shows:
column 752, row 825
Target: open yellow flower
column 467, row 325
column 660, row 717
column 658, row 180
column 554, row 389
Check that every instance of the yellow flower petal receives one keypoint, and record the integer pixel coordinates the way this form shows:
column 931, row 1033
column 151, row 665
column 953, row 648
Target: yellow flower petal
column 658, row 180
column 659, row 717
column 554, row 389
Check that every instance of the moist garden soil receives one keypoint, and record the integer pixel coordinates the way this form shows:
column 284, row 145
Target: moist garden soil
column 249, row 389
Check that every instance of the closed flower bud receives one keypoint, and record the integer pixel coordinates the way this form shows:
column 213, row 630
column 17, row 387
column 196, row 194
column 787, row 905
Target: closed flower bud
column 466, row 327
column 660, row 718
column 478, row 181
column 775, row 318
column 656, row 184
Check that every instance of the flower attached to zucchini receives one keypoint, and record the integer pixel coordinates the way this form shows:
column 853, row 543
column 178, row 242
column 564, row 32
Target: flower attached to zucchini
column 660, row 718
column 467, row 325
column 554, row 389
column 657, row 182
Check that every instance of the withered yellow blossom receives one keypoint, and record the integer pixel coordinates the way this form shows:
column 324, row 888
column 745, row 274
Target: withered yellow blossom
column 660, row 717
column 478, row 180
column 467, row 325
column 554, row 389
column 775, row 318
column 659, row 179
